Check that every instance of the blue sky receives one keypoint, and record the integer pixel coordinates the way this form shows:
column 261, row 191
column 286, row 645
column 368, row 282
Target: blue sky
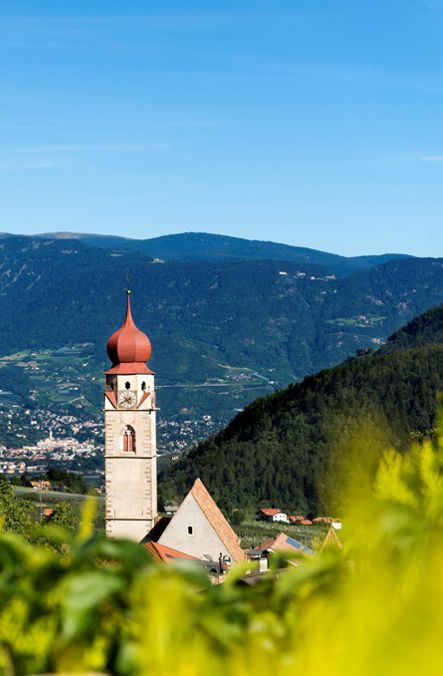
column 313, row 122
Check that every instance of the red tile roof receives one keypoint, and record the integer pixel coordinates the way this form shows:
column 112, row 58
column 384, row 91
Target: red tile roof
column 166, row 554
column 322, row 519
column 306, row 522
column 217, row 520
column 270, row 511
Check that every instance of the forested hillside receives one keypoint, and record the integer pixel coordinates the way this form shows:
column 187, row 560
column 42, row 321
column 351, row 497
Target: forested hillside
column 424, row 329
column 296, row 448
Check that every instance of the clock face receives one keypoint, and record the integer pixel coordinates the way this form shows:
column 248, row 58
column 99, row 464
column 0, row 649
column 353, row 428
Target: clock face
column 127, row 399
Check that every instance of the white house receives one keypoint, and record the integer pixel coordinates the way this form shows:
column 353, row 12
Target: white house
column 272, row 514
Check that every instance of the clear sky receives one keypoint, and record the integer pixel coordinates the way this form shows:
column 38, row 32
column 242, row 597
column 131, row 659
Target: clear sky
column 313, row 122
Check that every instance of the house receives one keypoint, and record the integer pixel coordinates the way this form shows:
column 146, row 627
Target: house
column 284, row 543
column 296, row 518
column 272, row 514
column 279, row 543
column 322, row 519
column 199, row 529
column 171, row 508
column 40, row 485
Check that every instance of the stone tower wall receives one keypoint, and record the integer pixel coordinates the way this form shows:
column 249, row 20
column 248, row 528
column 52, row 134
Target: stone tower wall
column 131, row 476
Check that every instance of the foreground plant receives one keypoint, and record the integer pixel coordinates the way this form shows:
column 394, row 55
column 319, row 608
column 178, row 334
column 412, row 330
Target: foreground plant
column 372, row 608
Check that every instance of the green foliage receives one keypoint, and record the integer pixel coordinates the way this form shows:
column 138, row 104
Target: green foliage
column 65, row 516
column 373, row 607
column 422, row 330
column 15, row 515
column 71, row 482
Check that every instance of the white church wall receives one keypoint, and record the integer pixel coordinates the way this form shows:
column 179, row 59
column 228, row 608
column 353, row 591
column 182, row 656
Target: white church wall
column 203, row 542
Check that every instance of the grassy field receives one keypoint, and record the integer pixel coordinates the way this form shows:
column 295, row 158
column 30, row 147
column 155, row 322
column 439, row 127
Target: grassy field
column 54, row 496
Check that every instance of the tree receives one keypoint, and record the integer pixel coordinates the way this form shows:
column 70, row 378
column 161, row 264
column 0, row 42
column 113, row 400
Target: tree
column 16, row 515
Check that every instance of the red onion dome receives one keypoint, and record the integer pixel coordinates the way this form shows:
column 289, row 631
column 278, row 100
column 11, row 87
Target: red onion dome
column 129, row 348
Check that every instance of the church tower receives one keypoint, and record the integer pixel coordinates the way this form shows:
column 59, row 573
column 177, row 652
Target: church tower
column 130, row 434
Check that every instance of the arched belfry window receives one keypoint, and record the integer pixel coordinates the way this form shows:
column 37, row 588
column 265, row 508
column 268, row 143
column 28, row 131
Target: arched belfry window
column 128, row 439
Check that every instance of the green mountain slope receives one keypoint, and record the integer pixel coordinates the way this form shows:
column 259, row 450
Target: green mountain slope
column 291, row 448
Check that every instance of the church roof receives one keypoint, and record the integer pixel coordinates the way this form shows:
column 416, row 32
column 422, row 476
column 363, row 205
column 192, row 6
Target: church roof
column 215, row 517
column 128, row 348
column 166, row 554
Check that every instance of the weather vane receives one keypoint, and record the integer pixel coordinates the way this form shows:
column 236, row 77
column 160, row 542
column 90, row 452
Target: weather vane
column 128, row 284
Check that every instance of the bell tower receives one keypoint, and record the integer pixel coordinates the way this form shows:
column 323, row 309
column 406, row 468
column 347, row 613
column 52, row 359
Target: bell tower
column 130, row 434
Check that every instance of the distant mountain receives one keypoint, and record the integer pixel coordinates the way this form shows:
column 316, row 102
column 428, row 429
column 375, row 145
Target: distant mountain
column 298, row 447
column 223, row 332
column 195, row 246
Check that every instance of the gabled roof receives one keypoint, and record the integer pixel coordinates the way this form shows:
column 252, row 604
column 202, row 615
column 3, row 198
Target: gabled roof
column 217, row 520
column 166, row 554
column 270, row 511
column 285, row 543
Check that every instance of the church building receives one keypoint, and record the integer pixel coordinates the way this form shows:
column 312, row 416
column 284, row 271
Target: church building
column 198, row 529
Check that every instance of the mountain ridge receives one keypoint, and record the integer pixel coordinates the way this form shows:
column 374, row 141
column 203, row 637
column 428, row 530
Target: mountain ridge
column 195, row 246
